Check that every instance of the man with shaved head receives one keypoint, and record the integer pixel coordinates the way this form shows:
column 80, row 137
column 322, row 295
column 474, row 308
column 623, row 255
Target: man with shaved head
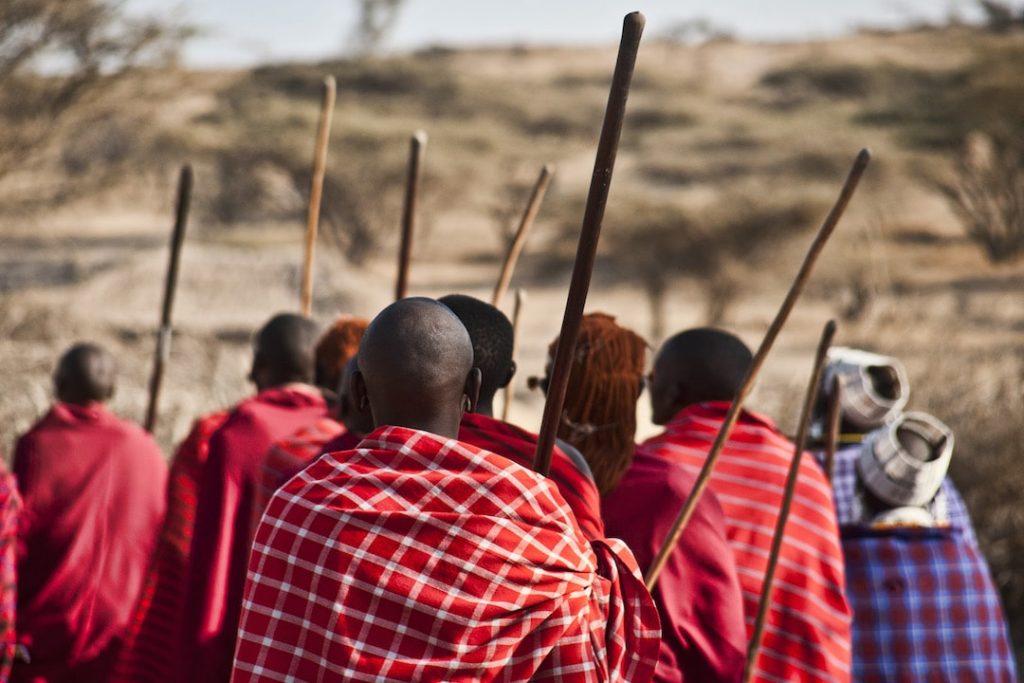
column 417, row 557
column 807, row 637
column 93, row 491
column 283, row 372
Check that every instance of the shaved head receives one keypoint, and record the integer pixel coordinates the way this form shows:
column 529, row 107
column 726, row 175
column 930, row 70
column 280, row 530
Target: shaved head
column 284, row 351
column 695, row 366
column 416, row 368
column 85, row 374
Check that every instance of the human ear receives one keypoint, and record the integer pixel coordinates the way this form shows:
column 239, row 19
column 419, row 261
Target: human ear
column 360, row 392
column 471, row 390
column 512, row 367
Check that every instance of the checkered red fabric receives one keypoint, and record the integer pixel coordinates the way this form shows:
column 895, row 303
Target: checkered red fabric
column 925, row 608
column 418, row 558
column 807, row 632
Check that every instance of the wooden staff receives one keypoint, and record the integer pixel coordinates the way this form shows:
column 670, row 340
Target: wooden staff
column 597, row 198
column 787, row 497
column 832, row 428
column 525, row 224
column 316, row 189
column 826, row 230
column 516, row 311
column 163, row 339
column 412, row 191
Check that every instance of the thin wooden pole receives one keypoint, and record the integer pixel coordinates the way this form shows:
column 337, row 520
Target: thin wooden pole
column 704, row 477
column 163, row 340
column 832, row 427
column 412, row 190
column 540, row 188
column 590, row 232
column 316, row 189
column 516, row 313
column 787, row 498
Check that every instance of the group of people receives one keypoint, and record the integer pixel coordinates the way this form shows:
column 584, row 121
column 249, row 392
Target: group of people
column 365, row 516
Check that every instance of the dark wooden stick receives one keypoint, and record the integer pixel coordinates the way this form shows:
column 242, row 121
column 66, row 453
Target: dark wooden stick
column 316, row 189
column 516, row 313
column 412, row 191
column 704, row 477
column 787, row 497
column 832, row 428
column 525, row 225
column 597, row 198
column 163, row 339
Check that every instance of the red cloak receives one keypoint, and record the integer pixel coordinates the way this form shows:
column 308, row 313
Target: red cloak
column 223, row 530
column 520, row 446
column 93, row 487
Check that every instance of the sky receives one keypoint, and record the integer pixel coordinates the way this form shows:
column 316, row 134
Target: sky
column 247, row 32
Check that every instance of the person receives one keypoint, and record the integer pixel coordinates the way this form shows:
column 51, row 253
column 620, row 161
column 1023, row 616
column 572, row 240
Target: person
column 807, row 634
column 491, row 334
column 924, row 604
column 93, row 490
column 10, row 508
column 419, row 557
column 151, row 639
column 282, row 370
column 358, row 423
column 873, row 391
column 287, row 456
column 698, row 595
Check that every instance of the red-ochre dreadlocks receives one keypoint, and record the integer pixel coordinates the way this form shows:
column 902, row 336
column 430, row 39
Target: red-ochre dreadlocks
column 336, row 348
column 599, row 417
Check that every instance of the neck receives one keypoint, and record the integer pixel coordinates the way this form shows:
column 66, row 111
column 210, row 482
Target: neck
column 446, row 425
column 485, row 406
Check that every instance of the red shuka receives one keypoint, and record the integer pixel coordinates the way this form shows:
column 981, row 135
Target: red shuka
column 422, row 558
column 807, row 633
column 223, row 529
column 520, row 446
column 151, row 642
column 93, row 487
column 10, row 508
column 288, row 456
column 703, row 636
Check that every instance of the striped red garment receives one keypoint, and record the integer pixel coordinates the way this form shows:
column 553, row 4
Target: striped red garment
column 150, row 643
column 419, row 558
column 807, row 634
column 288, row 456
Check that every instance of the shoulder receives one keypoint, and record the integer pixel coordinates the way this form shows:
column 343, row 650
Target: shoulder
column 575, row 457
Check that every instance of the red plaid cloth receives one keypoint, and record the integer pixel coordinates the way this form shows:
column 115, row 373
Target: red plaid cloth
column 10, row 507
column 807, row 632
column 417, row 558
column 289, row 455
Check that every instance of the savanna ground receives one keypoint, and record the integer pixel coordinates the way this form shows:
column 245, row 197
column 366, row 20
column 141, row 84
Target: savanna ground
column 730, row 157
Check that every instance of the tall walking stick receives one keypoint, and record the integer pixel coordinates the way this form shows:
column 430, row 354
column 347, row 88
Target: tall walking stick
column 826, row 230
column 412, row 191
column 787, row 497
column 832, row 428
column 597, row 198
column 516, row 312
column 163, row 339
column 316, row 189
column 525, row 225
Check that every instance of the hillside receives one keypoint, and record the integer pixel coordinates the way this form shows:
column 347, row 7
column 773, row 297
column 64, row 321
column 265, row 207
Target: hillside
column 731, row 155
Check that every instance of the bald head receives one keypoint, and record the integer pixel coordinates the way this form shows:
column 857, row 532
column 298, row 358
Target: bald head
column 85, row 374
column 416, row 368
column 698, row 365
column 284, row 351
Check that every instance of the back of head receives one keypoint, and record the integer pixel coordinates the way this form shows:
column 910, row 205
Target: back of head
column 492, row 337
column 85, row 374
column 695, row 366
column 338, row 345
column 284, row 351
column 599, row 416
column 416, row 367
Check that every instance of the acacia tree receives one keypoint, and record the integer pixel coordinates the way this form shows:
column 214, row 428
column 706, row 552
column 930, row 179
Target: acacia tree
column 376, row 19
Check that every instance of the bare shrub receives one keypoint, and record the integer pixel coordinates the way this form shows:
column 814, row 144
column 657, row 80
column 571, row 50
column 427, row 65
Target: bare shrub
column 987, row 194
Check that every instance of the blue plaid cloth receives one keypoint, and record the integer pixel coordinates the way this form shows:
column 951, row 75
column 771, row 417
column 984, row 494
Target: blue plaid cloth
column 924, row 607
column 844, row 488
